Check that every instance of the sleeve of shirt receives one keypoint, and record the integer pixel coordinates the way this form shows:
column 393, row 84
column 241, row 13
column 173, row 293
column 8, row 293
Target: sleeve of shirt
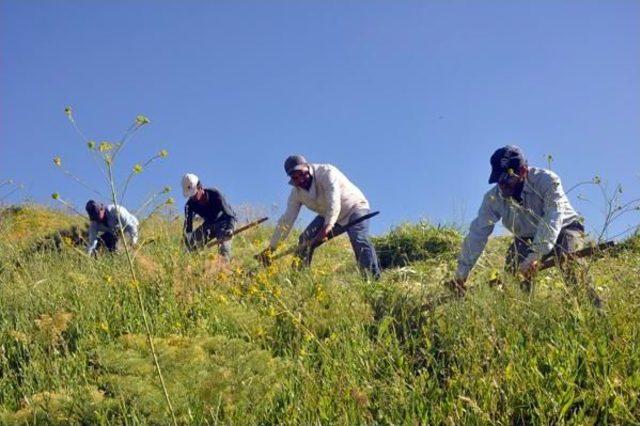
column 479, row 232
column 129, row 224
column 286, row 221
column 220, row 202
column 550, row 224
column 93, row 237
column 333, row 195
column 188, row 218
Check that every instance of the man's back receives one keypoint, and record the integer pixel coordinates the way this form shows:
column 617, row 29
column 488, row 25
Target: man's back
column 542, row 195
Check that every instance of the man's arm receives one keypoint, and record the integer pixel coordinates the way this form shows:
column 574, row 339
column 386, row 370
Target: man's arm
column 129, row 224
column 550, row 224
column 93, row 237
column 479, row 232
column 286, row 221
column 131, row 229
column 188, row 218
column 333, row 194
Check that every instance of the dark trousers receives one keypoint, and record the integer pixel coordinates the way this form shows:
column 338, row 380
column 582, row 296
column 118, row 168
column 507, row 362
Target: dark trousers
column 213, row 230
column 571, row 238
column 109, row 240
column 358, row 236
column 574, row 271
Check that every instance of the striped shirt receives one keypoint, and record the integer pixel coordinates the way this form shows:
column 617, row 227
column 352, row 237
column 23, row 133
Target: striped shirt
column 544, row 211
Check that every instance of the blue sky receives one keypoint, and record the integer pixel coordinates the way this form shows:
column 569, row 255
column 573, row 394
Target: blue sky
column 409, row 99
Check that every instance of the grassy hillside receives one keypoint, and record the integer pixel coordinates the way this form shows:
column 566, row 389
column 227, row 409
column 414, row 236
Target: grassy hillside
column 245, row 345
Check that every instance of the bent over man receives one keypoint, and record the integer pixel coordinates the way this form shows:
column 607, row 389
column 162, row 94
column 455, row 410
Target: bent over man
column 532, row 205
column 107, row 219
column 323, row 189
column 210, row 205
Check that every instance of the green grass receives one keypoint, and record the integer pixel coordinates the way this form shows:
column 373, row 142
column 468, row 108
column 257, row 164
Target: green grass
column 245, row 345
column 409, row 243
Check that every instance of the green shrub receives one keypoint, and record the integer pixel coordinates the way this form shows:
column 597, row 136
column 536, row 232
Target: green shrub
column 409, row 243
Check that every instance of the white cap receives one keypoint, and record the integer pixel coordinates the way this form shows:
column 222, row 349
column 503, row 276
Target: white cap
column 189, row 185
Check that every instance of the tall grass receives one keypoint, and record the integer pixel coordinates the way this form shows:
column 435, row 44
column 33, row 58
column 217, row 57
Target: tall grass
column 240, row 344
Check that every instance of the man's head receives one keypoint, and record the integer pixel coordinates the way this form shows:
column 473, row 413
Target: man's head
column 509, row 170
column 191, row 187
column 298, row 170
column 95, row 211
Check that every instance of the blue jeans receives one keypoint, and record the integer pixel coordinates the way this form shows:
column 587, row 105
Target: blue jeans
column 358, row 235
column 213, row 230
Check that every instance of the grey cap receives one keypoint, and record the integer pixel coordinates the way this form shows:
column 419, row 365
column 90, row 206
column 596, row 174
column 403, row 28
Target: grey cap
column 293, row 163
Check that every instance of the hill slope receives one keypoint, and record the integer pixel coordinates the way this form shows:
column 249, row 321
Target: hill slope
column 242, row 344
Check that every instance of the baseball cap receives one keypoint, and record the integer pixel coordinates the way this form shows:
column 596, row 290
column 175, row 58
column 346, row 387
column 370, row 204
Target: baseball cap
column 505, row 158
column 190, row 185
column 293, row 163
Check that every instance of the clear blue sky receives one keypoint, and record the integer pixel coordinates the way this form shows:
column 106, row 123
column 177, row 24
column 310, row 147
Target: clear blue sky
column 409, row 99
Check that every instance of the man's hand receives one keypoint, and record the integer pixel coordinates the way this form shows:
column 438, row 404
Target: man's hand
column 265, row 256
column 227, row 233
column 457, row 286
column 529, row 265
column 322, row 235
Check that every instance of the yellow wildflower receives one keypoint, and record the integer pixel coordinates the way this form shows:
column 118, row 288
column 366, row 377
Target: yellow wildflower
column 141, row 120
column 105, row 146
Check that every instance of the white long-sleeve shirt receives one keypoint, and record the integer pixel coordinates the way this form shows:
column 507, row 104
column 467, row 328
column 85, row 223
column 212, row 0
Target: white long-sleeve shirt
column 544, row 211
column 331, row 195
column 111, row 224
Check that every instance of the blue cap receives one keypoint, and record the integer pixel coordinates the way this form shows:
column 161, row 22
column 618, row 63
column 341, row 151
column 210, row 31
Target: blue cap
column 505, row 158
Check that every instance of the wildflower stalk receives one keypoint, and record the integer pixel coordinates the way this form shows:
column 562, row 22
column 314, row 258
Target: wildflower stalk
column 139, row 296
column 56, row 197
column 626, row 208
column 152, row 198
column 80, row 181
column 69, row 114
column 632, row 227
column 10, row 193
column 136, row 170
column 579, row 184
column 109, row 159
column 141, row 120
column 168, row 202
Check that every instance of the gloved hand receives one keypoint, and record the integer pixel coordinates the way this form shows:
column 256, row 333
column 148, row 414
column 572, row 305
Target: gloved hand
column 265, row 256
column 529, row 265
